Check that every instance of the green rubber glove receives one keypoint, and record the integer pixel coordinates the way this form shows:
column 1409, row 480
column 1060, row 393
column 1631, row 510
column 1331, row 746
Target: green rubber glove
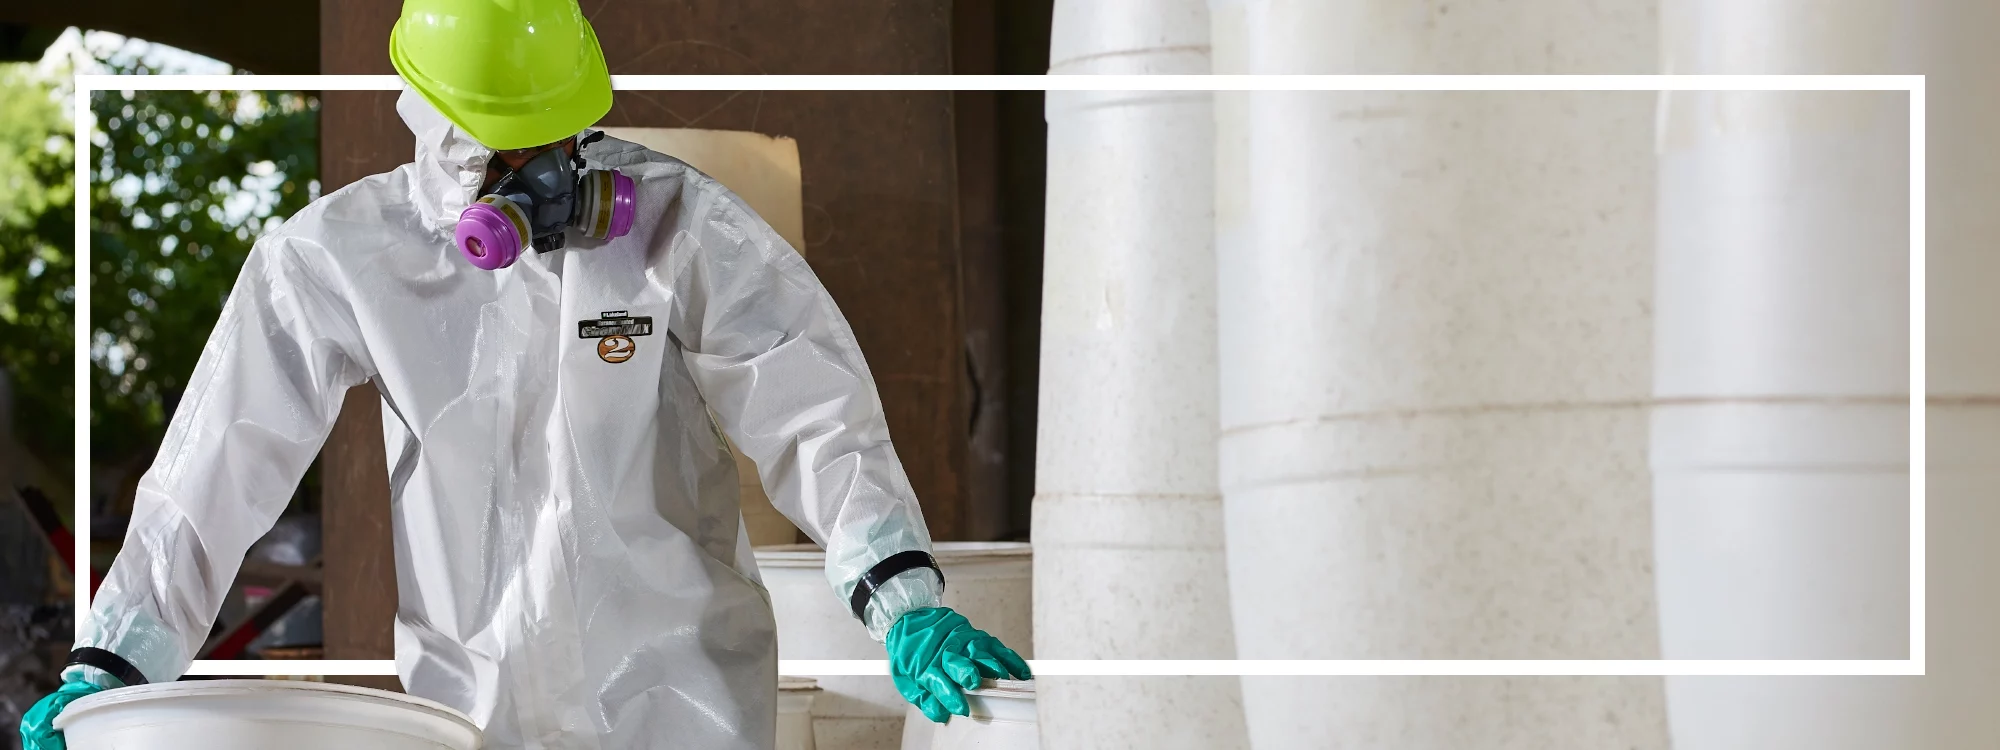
column 38, row 726
column 935, row 655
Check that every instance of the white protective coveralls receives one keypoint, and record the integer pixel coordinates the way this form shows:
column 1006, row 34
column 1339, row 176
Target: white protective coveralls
column 572, row 566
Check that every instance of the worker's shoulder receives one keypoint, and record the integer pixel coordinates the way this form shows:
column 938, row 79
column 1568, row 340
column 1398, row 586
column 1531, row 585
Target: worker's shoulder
column 644, row 163
column 688, row 187
column 365, row 199
column 366, row 205
column 619, row 153
column 361, row 200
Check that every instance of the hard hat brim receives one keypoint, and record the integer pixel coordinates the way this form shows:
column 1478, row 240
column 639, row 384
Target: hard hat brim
column 504, row 128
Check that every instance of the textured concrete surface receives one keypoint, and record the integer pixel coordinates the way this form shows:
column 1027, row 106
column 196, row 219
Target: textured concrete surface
column 1435, row 336
column 1461, row 713
column 1127, row 514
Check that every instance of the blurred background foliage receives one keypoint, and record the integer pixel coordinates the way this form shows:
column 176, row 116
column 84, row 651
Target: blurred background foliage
column 37, row 275
column 182, row 184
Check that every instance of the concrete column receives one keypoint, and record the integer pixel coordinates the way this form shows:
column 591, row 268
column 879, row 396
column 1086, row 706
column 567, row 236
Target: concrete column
column 1127, row 517
column 1785, row 325
column 1435, row 333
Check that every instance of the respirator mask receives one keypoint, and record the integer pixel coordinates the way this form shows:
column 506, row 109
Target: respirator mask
column 536, row 203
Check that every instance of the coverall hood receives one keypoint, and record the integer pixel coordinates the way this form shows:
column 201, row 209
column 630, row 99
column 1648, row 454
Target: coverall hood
column 449, row 165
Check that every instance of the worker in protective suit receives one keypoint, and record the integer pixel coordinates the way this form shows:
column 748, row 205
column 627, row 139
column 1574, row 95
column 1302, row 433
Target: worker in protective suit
column 561, row 327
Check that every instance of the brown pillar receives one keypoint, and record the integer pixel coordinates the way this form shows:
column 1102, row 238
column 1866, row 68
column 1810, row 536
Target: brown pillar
column 1022, row 48
column 982, row 274
column 360, row 135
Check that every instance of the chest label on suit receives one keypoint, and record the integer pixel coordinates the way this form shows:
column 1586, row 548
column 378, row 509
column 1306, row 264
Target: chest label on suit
column 614, row 331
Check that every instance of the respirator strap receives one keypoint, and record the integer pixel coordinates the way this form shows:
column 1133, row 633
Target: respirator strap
column 590, row 138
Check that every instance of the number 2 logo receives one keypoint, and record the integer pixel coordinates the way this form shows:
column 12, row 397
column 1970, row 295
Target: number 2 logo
column 615, row 349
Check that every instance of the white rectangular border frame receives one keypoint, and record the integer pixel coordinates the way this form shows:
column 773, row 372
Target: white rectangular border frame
column 1914, row 84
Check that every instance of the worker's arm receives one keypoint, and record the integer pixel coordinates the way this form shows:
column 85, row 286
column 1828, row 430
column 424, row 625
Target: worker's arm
column 261, row 401
column 779, row 366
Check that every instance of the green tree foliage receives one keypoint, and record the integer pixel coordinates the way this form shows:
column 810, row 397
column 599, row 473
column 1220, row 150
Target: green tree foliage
column 183, row 183
column 37, row 276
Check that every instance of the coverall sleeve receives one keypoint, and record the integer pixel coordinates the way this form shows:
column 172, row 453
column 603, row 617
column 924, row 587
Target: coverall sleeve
column 779, row 367
column 262, row 399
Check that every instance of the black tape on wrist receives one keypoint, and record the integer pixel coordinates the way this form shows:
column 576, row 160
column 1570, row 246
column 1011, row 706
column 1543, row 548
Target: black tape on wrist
column 889, row 567
column 116, row 665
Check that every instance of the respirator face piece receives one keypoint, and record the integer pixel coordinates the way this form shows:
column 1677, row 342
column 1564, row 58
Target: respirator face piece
column 535, row 204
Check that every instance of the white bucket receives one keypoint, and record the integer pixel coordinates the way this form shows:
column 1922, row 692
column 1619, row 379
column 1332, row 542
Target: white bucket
column 990, row 583
column 259, row 715
column 795, row 700
column 1002, row 718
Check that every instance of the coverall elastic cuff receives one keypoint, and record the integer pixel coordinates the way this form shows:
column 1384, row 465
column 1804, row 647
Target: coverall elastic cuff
column 910, row 590
column 140, row 639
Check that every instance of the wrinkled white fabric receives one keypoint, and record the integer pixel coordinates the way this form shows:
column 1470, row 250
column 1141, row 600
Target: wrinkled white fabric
column 572, row 565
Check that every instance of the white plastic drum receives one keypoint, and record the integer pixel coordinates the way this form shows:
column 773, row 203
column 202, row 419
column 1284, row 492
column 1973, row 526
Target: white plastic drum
column 990, row 583
column 259, row 715
column 1002, row 718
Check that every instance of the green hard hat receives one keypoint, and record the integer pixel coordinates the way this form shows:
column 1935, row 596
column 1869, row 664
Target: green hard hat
column 510, row 73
